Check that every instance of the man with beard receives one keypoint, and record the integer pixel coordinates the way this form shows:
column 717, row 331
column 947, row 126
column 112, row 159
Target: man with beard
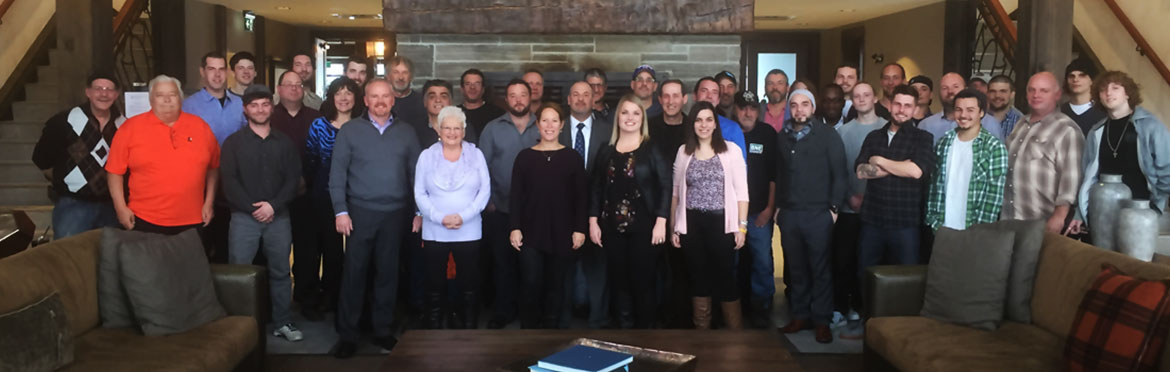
column 644, row 84
column 371, row 184
column 260, row 172
column 958, row 196
column 727, row 88
column 72, row 150
column 895, row 161
column 357, row 69
column 243, row 67
column 436, row 96
column 476, row 105
column 846, row 289
column 501, row 140
column 408, row 105
column 939, row 123
column 599, row 82
column 832, row 102
column 775, row 111
column 1001, row 92
column 303, row 66
column 810, row 186
column 707, row 90
column 667, row 129
column 846, row 78
column 586, row 132
column 535, row 80
column 759, row 270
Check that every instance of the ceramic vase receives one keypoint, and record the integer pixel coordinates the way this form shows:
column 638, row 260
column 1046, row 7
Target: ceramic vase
column 1105, row 199
column 1137, row 230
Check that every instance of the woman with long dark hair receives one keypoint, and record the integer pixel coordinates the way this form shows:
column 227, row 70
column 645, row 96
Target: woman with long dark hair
column 548, row 219
column 628, row 211
column 710, row 205
column 343, row 102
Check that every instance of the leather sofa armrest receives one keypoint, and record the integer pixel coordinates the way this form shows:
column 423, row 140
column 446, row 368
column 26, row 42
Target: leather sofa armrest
column 242, row 290
column 895, row 290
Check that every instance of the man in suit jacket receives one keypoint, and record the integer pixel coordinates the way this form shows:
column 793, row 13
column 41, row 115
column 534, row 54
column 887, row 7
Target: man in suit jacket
column 587, row 132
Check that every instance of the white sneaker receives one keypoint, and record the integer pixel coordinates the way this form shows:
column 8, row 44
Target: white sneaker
column 289, row 332
column 853, row 315
column 838, row 320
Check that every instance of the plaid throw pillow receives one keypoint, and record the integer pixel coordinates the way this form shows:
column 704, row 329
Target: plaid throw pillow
column 1120, row 325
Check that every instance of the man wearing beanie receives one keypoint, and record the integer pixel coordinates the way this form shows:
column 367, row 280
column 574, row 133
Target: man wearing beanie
column 1078, row 84
column 811, row 183
column 261, row 169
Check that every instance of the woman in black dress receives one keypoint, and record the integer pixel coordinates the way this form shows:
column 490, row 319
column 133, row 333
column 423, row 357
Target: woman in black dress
column 548, row 219
column 627, row 213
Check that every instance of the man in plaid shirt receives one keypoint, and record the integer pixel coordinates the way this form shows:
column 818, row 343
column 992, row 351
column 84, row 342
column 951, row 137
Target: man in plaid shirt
column 968, row 188
column 897, row 160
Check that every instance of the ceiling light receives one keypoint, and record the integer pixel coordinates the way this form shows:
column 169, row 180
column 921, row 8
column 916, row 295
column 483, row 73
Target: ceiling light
column 848, row 10
column 353, row 17
column 282, row 7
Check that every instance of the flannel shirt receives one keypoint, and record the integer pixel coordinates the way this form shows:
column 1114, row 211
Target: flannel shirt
column 892, row 201
column 1044, row 167
column 985, row 190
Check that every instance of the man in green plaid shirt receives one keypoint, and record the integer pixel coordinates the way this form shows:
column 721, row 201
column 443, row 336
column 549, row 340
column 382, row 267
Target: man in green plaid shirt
column 968, row 187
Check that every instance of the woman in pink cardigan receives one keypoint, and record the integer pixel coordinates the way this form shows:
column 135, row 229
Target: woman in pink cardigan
column 711, row 198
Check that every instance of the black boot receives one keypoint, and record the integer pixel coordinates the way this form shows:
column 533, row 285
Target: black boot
column 760, row 312
column 434, row 310
column 625, row 311
column 470, row 310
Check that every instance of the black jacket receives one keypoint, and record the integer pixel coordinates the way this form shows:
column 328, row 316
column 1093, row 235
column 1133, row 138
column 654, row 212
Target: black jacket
column 599, row 135
column 810, row 173
column 651, row 172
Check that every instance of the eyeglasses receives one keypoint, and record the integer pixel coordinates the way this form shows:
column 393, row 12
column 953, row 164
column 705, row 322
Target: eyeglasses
column 644, row 80
column 293, row 86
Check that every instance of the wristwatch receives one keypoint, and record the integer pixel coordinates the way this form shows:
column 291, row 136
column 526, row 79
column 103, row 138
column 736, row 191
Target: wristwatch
column 743, row 222
column 833, row 208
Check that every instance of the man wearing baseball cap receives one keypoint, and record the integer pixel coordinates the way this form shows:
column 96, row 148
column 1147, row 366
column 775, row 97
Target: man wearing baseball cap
column 925, row 88
column 1078, row 84
column 761, row 173
column 727, row 89
column 644, row 83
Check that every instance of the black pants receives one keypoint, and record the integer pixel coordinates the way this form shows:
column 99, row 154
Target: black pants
column 466, row 265
column 505, row 259
column 414, row 277
column 633, row 268
column 316, row 245
column 710, row 255
column 215, row 234
column 542, row 288
column 846, row 290
column 805, row 235
column 142, row 225
column 374, row 245
column 592, row 262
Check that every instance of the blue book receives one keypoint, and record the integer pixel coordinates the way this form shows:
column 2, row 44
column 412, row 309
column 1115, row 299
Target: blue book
column 536, row 368
column 581, row 358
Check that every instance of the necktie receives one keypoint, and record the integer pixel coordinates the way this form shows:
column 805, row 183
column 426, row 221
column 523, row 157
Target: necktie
column 579, row 143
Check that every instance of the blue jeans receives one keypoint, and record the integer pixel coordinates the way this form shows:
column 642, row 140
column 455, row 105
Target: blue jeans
column 759, row 244
column 72, row 216
column 245, row 237
column 878, row 246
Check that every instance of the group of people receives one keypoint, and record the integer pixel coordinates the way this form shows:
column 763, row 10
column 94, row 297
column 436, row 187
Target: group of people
column 550, row 210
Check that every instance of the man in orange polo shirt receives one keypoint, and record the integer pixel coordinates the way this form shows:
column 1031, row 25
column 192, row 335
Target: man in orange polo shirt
column 171, row 159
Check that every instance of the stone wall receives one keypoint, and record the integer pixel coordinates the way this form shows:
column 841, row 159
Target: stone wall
column 686, row 57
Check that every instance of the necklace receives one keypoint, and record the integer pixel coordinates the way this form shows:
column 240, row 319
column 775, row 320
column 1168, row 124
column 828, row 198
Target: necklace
column 1119, row 140
column 549, row 154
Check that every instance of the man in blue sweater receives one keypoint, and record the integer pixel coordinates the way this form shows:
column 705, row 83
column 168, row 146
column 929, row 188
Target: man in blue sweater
column 371, row 185
column 707, row 90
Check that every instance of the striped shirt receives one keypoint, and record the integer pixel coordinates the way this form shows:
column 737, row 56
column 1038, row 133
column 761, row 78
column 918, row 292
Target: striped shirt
column 985, row 189
column 1044, row 166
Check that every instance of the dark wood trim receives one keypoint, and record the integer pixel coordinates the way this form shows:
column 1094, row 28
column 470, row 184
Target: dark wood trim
column 4, row 6
column 1141, row 41
column 168, row 28
column 260, row 48
column 958, row 36
column 25, row 71
column 220, row 16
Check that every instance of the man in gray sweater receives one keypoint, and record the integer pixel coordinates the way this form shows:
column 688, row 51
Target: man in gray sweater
column 371, row 184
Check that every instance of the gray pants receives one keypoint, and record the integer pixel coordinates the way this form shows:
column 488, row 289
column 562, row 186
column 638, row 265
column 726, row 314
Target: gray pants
column 805, row 237
column 244, row 238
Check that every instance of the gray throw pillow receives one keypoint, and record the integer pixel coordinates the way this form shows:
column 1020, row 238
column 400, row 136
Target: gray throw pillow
column 966, row 280
column 169, row 283
column 1025, row 256
column 113, row 303
column 36, row 337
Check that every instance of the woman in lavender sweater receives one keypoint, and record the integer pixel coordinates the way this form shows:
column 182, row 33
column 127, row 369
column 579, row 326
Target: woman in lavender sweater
column 451, row 188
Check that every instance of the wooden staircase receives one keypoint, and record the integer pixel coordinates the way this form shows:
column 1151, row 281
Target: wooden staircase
column 21, row 183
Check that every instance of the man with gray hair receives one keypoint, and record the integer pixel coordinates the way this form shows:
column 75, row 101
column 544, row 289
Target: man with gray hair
column 408, row 104
column 174, row 157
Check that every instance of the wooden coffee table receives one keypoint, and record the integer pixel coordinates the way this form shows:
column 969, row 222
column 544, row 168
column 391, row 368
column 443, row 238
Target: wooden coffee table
column 486, row 350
